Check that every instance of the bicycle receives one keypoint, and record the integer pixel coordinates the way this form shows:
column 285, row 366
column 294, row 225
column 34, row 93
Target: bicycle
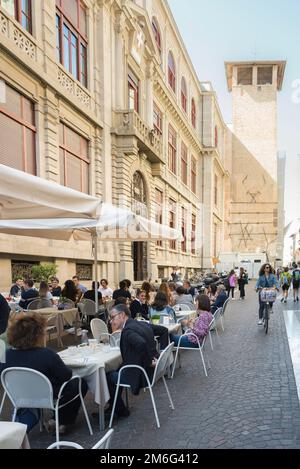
column 267, row 296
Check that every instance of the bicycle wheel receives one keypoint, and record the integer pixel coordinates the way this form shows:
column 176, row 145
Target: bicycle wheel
column 266, row 318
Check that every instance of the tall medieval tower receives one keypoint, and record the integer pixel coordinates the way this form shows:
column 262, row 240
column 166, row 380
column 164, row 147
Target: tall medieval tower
column 254, row 187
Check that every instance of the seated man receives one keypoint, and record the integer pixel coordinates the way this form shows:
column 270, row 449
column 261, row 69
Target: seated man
column 220, row 299
column 122, row 291
column 29, row 294
column 137, row 348
column 90, row 294
column 189, row 290
column 16, row 288
column 55, row 288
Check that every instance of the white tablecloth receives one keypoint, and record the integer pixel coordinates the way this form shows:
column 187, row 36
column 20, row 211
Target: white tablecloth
column 13, row 436
column 91, row 364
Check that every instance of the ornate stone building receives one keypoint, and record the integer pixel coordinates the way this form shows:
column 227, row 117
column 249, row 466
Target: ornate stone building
column 101, row 96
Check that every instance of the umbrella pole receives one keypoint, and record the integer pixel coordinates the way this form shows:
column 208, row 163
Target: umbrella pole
column 95, row 251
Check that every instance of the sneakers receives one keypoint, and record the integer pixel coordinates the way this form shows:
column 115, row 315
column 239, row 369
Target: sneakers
column 285, row 301
column 297, row 298
column 282, row 300
column 260, row 322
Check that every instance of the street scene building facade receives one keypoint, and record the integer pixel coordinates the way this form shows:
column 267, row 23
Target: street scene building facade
column 102, row 97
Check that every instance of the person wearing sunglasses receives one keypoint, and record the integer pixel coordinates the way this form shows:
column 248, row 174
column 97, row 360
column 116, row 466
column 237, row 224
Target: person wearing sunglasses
column 266, row 279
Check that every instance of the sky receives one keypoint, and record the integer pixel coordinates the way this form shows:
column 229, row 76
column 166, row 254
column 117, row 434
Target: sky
column 216, row 31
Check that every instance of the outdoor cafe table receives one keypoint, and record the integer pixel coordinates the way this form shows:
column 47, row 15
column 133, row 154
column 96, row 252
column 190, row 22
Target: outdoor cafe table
column 62, row 317
column 91, row 363
column 185, row 315
column 13, row 436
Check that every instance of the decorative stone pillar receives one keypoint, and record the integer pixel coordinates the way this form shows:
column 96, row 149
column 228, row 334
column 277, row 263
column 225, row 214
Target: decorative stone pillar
column 50, row 149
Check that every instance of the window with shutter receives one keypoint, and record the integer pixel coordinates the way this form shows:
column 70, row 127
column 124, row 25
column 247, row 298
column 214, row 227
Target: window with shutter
column 18, row 132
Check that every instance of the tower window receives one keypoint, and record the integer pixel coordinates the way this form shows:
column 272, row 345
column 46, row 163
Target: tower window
column 244, row 76
column 264, row 75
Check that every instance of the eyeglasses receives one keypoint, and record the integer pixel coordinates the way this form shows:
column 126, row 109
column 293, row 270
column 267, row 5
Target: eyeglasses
column 267, row 267
column 114, row 316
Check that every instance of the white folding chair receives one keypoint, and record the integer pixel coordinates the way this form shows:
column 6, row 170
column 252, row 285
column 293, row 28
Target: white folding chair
column 104, row 443
column 159, row 373
column 87, row 308
column 214, row 328
column 39, row 303
column 222, row 313
column 184, row 307
column 30, row 389
column 99, row 328
column 195, row 349
column 2, row 351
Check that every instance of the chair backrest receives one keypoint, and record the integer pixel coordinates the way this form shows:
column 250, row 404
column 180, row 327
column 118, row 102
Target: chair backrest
column 115, row 339
column 162, row 363
column 39, row 303
column 225, row 306
column 217, row 314
column 27, row 388
column 64, row 444
column 87, row 307
column 2, row 351
column 184, row 307
column 104, row 443
column 66, row 304
column 98, row 327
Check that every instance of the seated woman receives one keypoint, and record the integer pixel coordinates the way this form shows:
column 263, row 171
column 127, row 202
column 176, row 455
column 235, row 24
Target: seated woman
column 71, row 292
column 27, row 334
column 160, row 306
column 139, row 306
column 212, row 292
column 198, row 326
column 184, row 299
column 220, row 299
column 45, row 294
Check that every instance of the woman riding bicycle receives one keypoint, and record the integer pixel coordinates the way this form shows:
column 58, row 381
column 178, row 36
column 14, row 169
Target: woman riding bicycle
column 266, row 279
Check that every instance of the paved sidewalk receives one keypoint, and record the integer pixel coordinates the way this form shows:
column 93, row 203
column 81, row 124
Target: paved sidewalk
column 249, row 399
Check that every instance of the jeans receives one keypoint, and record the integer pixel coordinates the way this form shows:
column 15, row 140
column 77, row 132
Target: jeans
column 184, row 341
column 230, row 289
column 262, row 307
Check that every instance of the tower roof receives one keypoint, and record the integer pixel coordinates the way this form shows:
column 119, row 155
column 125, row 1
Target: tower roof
column 281, row 68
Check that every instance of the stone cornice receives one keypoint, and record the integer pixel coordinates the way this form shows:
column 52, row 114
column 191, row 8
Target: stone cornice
column 161, row 89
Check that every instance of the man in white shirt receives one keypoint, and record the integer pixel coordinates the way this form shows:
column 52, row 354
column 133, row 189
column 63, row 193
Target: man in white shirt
column 105, row 290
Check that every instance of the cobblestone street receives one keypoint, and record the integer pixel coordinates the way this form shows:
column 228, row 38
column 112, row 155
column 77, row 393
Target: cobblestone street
column 249, row 399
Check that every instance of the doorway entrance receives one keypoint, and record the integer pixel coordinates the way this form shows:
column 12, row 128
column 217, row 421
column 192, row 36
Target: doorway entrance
column 140, row 261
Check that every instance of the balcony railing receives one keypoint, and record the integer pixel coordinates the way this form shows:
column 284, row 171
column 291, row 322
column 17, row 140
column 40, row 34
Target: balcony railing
column 129, row 123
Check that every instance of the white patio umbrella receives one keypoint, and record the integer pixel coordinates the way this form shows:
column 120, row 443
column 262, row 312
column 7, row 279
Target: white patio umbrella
column 32, row 206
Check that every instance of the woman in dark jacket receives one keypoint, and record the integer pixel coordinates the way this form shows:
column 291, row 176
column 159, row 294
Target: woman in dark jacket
column 26, row 334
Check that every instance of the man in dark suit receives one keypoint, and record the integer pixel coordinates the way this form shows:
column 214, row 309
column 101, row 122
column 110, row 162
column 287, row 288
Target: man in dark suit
column 29, row 294
column 137, row 348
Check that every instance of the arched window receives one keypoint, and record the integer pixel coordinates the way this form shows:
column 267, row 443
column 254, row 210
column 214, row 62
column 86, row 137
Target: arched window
column 171, row 72
column 193, row 113
column 156, row 33
column 183, row 94
column 139, row 194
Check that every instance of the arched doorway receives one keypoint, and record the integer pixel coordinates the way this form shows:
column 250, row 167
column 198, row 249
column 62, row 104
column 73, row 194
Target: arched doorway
column 139, row 249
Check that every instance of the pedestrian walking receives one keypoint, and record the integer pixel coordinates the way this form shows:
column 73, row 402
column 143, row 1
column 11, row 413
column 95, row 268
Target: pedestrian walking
column 285, row 282
column 242, row 281
column 231, row 284
column 296, row 280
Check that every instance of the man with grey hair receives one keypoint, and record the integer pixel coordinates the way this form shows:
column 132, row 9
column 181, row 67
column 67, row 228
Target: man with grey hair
column 220, row 299
column 137, row 347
